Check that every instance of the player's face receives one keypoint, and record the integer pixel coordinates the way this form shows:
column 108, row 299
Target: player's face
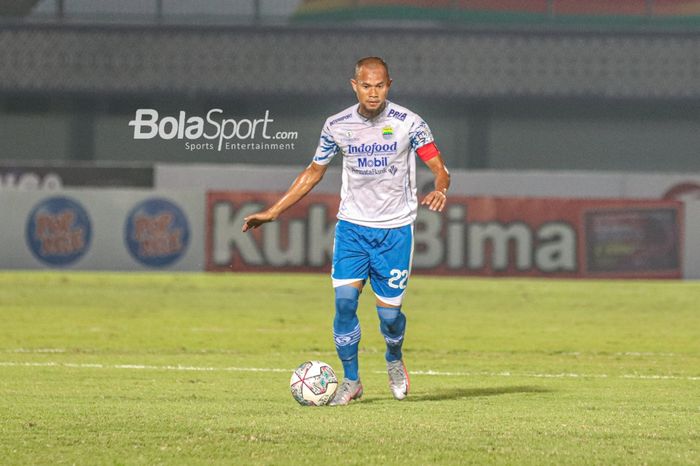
column 371, row 85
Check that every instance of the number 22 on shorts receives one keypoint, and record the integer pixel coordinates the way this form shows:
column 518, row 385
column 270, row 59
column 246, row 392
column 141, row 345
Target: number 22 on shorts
column 399, row 276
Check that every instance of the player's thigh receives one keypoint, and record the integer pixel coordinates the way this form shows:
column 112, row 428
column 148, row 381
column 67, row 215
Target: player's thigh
column 390, row 265
column 350, row 256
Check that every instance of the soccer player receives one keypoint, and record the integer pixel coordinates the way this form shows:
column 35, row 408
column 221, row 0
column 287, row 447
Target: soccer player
column 378, row 141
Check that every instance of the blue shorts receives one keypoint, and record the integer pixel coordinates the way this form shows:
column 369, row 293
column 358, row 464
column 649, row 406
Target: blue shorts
column 381, row 254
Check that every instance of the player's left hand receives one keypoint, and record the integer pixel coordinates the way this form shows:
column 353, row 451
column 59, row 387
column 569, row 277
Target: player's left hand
column 435, row 200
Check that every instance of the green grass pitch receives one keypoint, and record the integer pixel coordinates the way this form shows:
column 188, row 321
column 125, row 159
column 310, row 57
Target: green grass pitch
column 107, row 368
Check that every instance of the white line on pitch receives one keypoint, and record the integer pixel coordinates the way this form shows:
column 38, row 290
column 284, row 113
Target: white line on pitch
column 564, row 375
column 142, row 367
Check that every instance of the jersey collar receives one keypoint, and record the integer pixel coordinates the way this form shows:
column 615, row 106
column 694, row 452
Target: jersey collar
column 375, row 119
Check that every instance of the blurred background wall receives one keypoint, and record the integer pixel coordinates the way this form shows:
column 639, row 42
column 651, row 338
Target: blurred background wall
column 582, row 114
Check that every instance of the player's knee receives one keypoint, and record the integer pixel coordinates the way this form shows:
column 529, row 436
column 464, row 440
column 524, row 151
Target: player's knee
column 390, row 316
column 346, row 299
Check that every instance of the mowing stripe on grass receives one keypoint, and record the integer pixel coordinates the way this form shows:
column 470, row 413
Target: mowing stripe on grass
column 34, row 350
column 634, row 354
column 565, row 375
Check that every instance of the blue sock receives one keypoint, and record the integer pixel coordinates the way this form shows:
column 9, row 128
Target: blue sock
column 346, row 329
column 392, row 324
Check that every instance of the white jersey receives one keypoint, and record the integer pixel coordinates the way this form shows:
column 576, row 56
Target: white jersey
column 379, row 164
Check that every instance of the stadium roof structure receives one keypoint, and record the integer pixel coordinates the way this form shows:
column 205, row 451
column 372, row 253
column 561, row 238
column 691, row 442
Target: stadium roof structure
column 503, row 14
column 598, row 13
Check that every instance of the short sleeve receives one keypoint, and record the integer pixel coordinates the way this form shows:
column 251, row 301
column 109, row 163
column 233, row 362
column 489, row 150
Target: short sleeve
column 420, row 134
column 327, row 147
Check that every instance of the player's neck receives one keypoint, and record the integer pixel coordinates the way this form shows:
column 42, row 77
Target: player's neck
column 369, row 114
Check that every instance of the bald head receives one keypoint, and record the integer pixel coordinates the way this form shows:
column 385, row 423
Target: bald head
column 370, row 62
column 371, row 85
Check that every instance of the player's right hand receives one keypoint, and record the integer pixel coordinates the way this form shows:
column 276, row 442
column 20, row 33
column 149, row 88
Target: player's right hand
column 435, row 200
column 255, row 220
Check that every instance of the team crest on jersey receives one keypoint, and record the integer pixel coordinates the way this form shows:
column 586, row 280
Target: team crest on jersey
column 387, row 132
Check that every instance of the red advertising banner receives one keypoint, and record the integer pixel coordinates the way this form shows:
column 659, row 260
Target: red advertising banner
column 473, row 236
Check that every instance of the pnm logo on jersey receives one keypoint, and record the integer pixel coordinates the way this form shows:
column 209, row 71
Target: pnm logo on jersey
column 387, row 132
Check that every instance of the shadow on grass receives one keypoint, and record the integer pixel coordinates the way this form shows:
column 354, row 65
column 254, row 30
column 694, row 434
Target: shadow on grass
column 457, row 393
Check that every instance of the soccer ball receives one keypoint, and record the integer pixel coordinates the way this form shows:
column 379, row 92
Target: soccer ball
column 313, row 383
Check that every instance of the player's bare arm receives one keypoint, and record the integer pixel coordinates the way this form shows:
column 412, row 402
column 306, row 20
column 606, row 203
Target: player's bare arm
column 301, row 186
column 436, row 199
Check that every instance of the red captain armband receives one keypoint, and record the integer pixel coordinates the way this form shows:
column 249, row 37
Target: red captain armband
column 428, row 151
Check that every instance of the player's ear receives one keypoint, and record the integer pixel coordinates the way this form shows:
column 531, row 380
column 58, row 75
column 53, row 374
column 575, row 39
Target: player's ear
column 353, row 83
column 388, row 83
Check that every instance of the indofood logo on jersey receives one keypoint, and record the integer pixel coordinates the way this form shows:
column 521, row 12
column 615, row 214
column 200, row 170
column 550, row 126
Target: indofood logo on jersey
column 373, row 149
column 378, row 152
column 157, row 232
column 58, row 231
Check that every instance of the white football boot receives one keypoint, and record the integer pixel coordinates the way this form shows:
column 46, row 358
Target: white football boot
column 349, row 390
column 398, row 379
